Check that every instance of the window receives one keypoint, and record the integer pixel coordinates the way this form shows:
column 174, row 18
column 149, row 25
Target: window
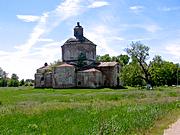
column 79, row 83
column 118, row 69
column 118, row 81
column 42, row 78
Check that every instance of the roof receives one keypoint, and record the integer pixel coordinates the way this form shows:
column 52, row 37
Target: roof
column 107, row 64
column 71, row 40
column 90, row 70
column 75, row 41
column 44, row 67
column 65, row 65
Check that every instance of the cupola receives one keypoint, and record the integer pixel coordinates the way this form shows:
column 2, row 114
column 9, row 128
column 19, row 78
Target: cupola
column 78, row 32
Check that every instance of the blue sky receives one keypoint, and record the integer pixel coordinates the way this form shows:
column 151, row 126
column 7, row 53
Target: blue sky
column 32, row 32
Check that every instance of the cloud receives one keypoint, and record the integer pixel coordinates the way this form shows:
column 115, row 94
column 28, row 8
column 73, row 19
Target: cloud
column 48, row 51
column 136, row 9
column 28, row 56
column 2, row 53
column 169, row 50
column 174, row 49
column 28, row 18
column 50, row 20
column 118, row 38
column 97, row 4
column 103, row 37
column 27, row 62
column 167, row 9
column 37, row 32
column 45, row 40
column 141, row 39
column 152, row 28
column 25, row 67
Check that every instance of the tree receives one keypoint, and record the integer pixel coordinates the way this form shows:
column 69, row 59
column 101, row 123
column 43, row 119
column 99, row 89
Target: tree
column 1, row 72
column 156, row 71
column 22, row 82
column 169, row 71
column 105, row 58
column 3, row 82
column 123, row 59
column 14, row 77
column 29, row 82
column 114, row 58
column 13, row 82
column 131, row 75
column 81, row 60
column 55, row 63
column 178, row 74
column 163, row 72
column 98, row 58
column 140, row 53
column 3, row 78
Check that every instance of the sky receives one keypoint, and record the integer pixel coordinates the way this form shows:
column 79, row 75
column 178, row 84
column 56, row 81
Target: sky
column 32, row 32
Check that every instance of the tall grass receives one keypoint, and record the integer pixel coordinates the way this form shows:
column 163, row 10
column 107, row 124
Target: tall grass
column 79, row 112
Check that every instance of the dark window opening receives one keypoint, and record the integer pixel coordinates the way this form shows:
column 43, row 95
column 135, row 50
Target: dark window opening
column 118, row 81
column 117, row 69
column 42, row 78
column 79, row 83
column 95, row 84
column 105, row 82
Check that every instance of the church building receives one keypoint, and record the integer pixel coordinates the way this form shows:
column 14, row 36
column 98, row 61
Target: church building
column 79, row 68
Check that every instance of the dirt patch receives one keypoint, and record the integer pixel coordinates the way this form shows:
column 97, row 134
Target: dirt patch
column 174, row 129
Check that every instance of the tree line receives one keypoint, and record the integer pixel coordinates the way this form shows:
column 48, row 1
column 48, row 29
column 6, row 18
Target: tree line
column 13, row 81
column 136, row 71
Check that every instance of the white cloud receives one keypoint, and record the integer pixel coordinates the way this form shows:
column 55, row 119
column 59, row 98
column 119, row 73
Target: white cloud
column 25, row 67
column 48, row 51
column 118, row 38
column 50, row 20
column 167, row 9
column 97, row 4
column 174, row 49
column 28, row 18
column 22, row 58
column 152, row 28
column 2, row 53
column 45, row 40
column 27, row 58
column 101, row 36
column 140, row 39
column 169, row 50
column 136, row 9
column 38, row 31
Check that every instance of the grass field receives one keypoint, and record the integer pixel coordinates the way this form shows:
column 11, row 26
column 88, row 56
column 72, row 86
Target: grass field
column 25, row 111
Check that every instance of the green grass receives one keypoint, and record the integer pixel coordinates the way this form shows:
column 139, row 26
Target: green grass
column 87, row 111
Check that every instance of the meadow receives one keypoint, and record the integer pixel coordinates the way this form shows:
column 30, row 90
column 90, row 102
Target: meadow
column 25, row 111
